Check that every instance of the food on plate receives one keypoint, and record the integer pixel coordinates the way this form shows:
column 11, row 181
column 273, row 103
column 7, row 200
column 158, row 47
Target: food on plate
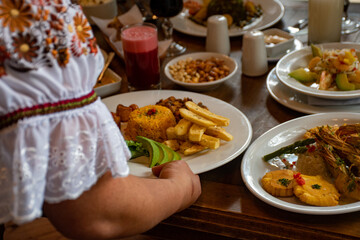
column 274, row 39
column 237, row 12
column 279, row 183
column 315, row 190
column 150, row 121
column 174, row 104
column 92, row 2
column 199, row 71
column 153, row 130
column 198, row 132
column 334, row 70
column 332, row 154
column 217, row 119
column 158, row 153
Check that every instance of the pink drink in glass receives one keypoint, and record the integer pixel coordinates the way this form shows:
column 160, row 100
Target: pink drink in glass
column 140, row 44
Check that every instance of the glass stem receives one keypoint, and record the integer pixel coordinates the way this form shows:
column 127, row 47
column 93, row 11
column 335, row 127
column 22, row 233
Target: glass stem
column 167, row 27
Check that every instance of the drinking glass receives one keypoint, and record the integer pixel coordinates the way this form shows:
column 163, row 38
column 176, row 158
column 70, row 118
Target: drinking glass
column 167, row 9
column 325, row 21
column 348, row 24
column 140, row 45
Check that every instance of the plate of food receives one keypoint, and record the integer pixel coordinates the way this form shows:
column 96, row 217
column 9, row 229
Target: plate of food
column 329, row 70
column 302, row 103
column 218, row 143
column 242, row 16
column 293, row 165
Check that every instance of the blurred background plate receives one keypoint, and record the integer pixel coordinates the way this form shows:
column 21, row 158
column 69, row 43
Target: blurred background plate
column 273, row 11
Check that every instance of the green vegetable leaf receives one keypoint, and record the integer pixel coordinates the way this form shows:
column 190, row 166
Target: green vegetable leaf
column 136, row 149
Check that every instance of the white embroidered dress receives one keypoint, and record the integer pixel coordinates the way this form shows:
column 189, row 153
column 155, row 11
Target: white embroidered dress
column 49, row 57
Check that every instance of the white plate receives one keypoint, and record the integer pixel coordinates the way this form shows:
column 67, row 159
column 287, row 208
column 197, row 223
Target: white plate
column 296, row 46
column 206, row 86
column 253, row 168
column 273, row 11
column 301, row 58
column 239, row 127
column 298, row 101
column 110, row 88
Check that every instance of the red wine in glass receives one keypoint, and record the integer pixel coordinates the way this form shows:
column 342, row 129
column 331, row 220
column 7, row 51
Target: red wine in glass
column 166, row 9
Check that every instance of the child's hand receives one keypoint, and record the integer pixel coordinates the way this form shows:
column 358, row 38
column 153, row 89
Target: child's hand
column 183, row 177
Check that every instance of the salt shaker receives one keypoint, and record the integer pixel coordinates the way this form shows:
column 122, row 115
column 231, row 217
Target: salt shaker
column 217, row 35
column 254, row 57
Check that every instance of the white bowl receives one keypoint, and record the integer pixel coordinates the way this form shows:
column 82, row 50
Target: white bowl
column 206, row 86
column 106, row 10
column 278, row 48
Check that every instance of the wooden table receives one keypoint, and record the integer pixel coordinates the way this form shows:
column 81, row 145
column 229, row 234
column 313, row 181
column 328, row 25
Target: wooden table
column 226, row 209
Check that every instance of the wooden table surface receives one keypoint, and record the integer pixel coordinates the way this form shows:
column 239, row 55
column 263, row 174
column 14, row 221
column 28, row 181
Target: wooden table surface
column 226, row 209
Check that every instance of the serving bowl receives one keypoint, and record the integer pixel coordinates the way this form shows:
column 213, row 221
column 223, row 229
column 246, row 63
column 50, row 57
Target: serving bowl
column 203, row 86
column 105, row 9
column 275, row 49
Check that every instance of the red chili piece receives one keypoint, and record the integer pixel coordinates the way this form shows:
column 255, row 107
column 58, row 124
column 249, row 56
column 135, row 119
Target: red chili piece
column 151, row 112
column 299, row 179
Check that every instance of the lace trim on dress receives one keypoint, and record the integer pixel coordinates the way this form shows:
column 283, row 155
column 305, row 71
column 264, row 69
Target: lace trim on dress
column 33, row 171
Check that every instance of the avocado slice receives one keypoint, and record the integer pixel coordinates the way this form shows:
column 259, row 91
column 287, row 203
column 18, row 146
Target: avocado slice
column 172, row 155
column 316, row 51
column 156, row 154
column 303, row 75
column 166, row 157
column 342, row 82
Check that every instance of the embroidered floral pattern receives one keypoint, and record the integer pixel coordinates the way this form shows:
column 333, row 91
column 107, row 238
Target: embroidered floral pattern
column 40, row 31
column 25, row 46
column 16, row 15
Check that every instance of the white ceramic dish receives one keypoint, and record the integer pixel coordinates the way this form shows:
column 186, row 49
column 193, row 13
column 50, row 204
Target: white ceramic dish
column 106, row 10
column 296, row 46
column 239, row 127
column 253, row 168
column 301, row 58
column 273, row 50
column 228, row 61
column 110, row 88
column 298, row 101
column 273, row 11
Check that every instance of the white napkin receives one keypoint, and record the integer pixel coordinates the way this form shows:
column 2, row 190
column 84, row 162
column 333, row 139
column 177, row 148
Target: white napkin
column 331, row 102
column 132, row 16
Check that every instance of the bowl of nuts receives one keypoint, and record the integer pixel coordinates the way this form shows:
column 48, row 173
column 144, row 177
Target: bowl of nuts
column 200, row 71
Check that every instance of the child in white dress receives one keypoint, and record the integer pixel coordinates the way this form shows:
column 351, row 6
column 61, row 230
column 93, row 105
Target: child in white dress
column 62, row 155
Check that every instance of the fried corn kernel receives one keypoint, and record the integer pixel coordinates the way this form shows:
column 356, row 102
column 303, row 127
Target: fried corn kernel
column 199, row 71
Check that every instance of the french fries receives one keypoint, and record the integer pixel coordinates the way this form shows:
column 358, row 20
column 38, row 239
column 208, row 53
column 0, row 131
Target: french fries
column 198, row 130
column 195, row 118
column 219, row 132
column 182, row 127
column 219, row 120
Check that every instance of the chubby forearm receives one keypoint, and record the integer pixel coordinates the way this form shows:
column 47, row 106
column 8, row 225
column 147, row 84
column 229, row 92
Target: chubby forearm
column 117, row 207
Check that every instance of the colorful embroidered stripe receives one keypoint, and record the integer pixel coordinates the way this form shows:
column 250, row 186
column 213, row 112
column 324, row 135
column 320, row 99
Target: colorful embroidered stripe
column 46, row 108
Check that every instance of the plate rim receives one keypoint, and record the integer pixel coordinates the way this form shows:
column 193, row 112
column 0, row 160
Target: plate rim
column 239, row 150
column 306, row 108
column 293, row 84
column 292, row 207
column 240, row 32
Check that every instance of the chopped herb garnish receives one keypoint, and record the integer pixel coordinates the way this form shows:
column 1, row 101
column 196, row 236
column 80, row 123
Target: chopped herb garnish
column 284, row 181
column 316, row 186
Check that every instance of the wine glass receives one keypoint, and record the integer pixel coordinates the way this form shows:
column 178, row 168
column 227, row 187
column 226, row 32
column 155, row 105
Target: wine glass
column 167, row 9
column 348, row 25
